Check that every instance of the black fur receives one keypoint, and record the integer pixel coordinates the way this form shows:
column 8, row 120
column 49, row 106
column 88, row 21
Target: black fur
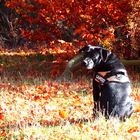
column 111, row 97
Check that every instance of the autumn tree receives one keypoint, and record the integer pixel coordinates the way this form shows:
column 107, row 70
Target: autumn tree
column 9, row 33
column 72, row 20
column 134, row 25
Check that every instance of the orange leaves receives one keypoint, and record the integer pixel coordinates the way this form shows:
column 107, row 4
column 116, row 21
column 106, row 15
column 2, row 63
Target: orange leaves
column 46, row 97
column 82, row 20
column 41, row 89
column 80, row 125
column 8, row 4
column 80, row 29
column 2, row 133
column 76, row 97
column 61, row 104
column 95, row 127
column 77, row 101
column 63, row 114
column 133, row 129
column 137, row 106
column 26, row 33
column 1, row 116
column 36, row 98
column 45, row 92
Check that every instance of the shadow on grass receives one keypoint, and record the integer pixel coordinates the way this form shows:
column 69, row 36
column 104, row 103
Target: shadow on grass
column 27, row 67
column 31, row 65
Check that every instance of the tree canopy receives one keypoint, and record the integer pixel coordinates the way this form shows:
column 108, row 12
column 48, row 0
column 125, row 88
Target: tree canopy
column 76, row 21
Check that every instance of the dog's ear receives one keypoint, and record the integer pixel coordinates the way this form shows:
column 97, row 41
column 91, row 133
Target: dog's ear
column 85, row 49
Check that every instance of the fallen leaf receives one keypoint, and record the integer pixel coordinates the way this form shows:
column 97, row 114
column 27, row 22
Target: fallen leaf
column 1, row 116
column 63, row 114
column 133, row 129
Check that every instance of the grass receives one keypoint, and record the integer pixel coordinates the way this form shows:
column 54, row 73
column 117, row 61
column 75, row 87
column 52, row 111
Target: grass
column 35, row 107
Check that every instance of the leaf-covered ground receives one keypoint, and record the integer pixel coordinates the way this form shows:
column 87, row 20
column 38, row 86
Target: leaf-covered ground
column 34, row 107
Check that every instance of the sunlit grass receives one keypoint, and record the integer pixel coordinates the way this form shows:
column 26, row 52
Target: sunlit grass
column 99, row 129
column 26, row 108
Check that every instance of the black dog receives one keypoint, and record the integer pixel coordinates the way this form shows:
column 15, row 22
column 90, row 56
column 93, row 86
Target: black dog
column 111, row 85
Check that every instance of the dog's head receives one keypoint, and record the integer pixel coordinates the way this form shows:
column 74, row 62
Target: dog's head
column 91, row 56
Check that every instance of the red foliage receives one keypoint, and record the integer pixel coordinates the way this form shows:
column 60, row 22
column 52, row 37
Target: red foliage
column 1, row 114
column 72, row 20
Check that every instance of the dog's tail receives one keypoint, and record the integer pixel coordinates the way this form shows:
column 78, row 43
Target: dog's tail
column 73, row 64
